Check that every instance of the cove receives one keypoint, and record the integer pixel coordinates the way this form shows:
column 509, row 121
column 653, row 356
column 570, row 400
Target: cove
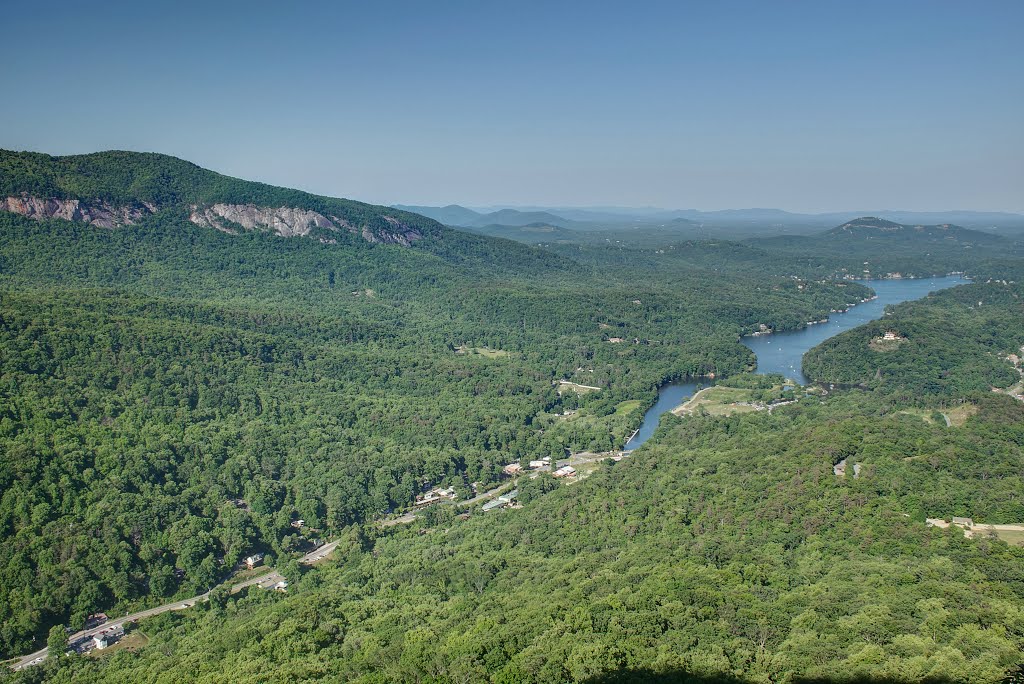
column 783, row 352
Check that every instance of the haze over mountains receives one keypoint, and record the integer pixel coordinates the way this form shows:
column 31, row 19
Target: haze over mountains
column 752, row 220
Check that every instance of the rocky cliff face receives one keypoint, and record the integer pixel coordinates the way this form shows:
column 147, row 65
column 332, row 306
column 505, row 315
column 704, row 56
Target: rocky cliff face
column 283, row 221
column 291, row 222
column 99, row 213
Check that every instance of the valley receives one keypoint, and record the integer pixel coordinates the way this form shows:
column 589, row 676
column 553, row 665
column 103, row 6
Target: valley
column 237, row 369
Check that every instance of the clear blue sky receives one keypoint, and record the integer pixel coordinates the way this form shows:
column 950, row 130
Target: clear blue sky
column 807, row 106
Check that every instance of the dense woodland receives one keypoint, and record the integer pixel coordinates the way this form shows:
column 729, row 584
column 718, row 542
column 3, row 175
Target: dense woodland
column 725, row 546
column 173, row 397
column 949, row 345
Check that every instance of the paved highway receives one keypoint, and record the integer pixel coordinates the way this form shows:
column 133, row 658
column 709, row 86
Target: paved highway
column 266, row 581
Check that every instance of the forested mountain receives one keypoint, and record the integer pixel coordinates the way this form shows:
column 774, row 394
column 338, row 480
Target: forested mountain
column 160, row 368
column 728, row 550
column 870, row 227
column 178, row 389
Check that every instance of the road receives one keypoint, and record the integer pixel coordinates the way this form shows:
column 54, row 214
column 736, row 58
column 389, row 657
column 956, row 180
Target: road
column 266, row 581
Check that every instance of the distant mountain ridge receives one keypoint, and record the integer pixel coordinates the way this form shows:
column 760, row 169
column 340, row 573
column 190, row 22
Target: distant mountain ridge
column 872, row 227
column 459, row 216
column 584, row 217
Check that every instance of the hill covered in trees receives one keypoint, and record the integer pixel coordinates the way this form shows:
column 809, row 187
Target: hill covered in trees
column 949, row 345
column 177, row 395
column 158, row 372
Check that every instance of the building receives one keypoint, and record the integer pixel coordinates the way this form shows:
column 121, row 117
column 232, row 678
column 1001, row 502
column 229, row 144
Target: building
column 298, row 524
column 435, row 495
column 108, row 637
column 512, row 469
column 565, row 471
column 506, row 499
column 963, row 522
column 891, row 335
column 536, row 465
column 253, row 560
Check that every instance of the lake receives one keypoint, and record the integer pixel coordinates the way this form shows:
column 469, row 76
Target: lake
column 783, row 352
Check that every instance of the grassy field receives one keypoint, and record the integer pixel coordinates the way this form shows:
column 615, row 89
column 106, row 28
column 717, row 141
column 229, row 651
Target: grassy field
column 627, row 407
column 957, row 416
column 579, row 389
column 717, row 401
column 1011, row 537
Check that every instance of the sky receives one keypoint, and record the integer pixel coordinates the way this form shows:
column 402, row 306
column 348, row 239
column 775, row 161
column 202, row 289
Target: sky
column 806, row 106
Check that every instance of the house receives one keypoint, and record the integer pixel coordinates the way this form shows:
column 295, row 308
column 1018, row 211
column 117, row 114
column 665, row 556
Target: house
column 616, row 340
column 536, row 465
column 891, row 335
column 435, row 495
column 509, row 497
column 565, row 471
column 253, row 560
column 108, row 637
column 512, row 469
column 491, row 505
column 298, row 524
column 963, row 522
column 281, row 586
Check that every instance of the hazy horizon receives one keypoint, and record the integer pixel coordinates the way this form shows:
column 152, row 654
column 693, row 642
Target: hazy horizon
column 809, row 107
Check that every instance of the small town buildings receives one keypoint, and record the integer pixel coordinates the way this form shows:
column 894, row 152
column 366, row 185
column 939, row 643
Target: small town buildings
column 435, row 495
column 253, row 560
column 506, row 499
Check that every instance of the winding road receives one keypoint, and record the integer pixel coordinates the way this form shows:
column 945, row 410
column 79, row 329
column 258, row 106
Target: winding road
column 266, row 581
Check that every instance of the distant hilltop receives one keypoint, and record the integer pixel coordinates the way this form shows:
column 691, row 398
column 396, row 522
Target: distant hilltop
column 869, row 227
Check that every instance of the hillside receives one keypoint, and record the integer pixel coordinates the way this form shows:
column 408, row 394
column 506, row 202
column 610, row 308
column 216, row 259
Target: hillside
column 110, row 189
column 728, row 551
column 175, row 395
column 949, row 345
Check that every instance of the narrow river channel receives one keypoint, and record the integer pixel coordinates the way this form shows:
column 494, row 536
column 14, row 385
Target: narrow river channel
column 783, row 352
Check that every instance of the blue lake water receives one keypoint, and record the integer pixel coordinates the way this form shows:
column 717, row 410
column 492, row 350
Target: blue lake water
column 784, row 352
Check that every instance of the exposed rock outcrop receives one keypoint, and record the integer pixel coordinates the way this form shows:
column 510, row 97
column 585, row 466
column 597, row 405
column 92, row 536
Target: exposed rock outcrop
column 290, row 222
column 97, row 213
column 285, row 221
